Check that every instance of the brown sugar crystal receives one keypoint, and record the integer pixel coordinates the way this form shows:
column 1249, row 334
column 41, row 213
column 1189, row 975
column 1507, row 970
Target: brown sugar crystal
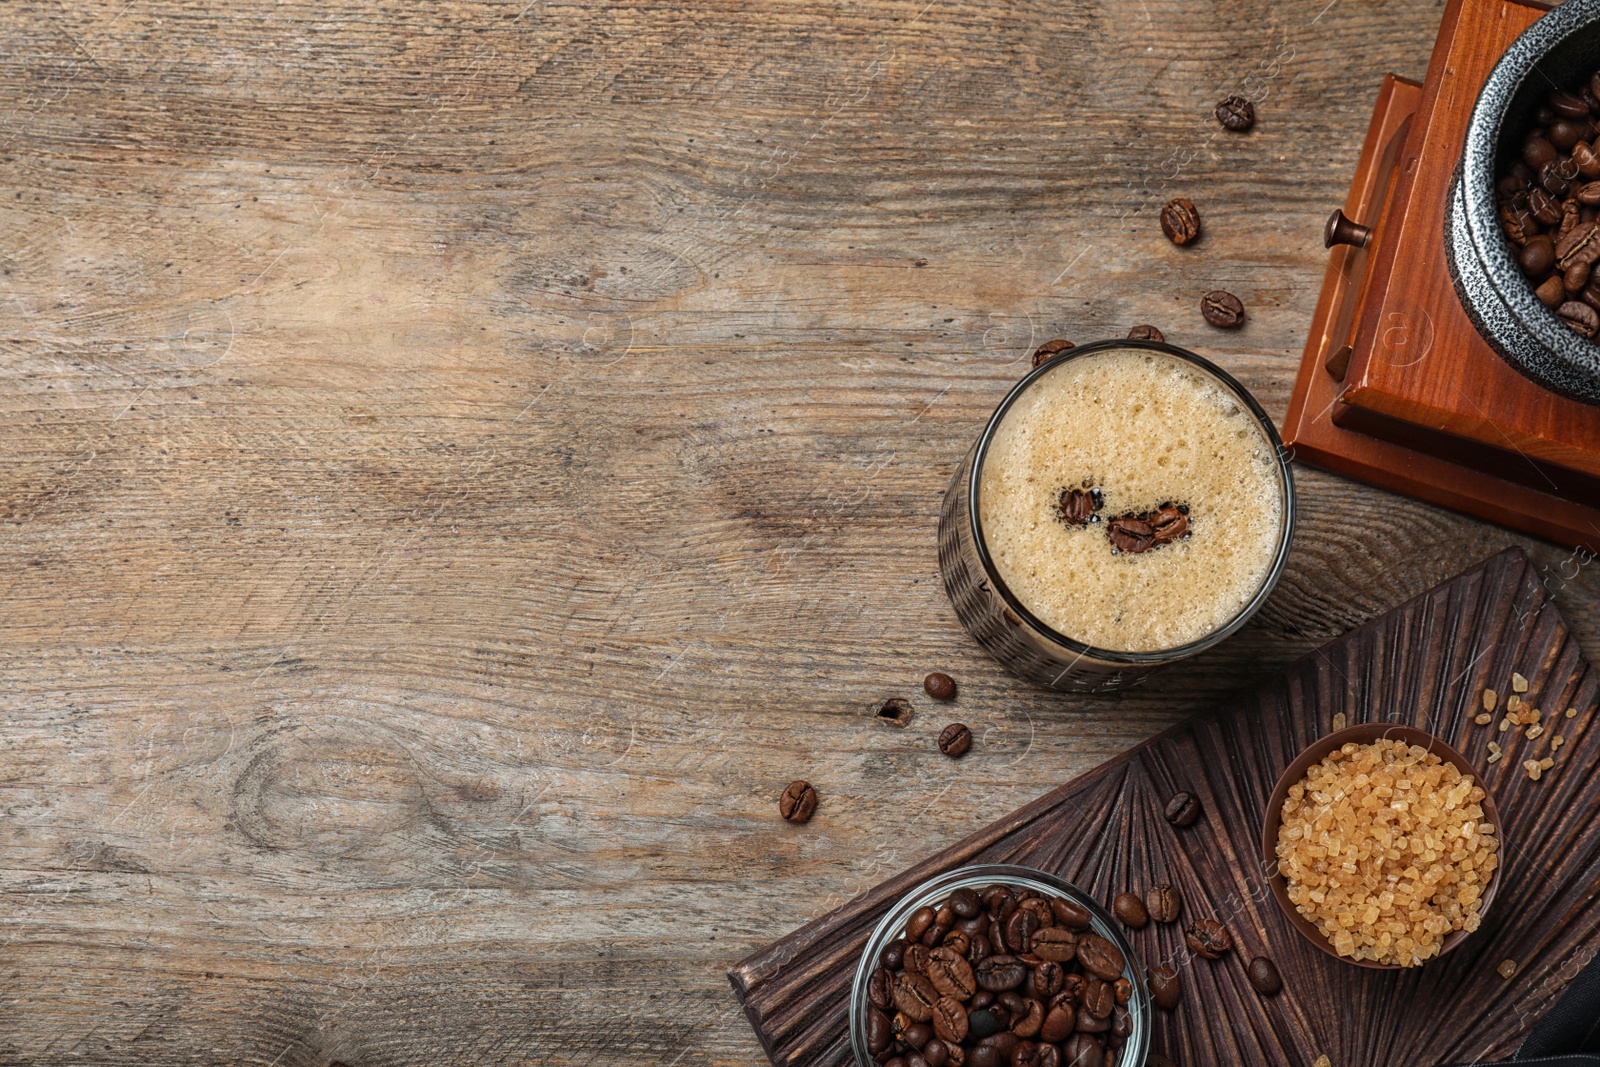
column 1385, row 849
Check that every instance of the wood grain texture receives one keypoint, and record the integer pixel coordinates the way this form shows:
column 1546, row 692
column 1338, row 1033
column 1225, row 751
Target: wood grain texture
column 1424, row 665
column 462, row 460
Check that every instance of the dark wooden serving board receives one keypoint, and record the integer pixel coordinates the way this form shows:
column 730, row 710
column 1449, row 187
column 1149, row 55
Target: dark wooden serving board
column 1424, row 663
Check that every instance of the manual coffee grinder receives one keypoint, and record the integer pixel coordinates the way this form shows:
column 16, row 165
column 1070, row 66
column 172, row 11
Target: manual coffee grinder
column 1431, row 368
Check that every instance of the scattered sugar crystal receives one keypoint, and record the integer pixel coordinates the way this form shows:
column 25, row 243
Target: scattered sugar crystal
column 1338, row 720
column 1557, row 741
column 1513, row 702
column 1484, row 720
column 1534, row 731
column 1519, row 683
column 1572, row 713
column 1507, row 968
column 1323, row 1061
column 1505, row 724
column 1546, row 763
column 1489, row 699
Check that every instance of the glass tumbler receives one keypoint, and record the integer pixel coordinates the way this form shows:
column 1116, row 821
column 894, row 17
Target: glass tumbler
column 999, row 621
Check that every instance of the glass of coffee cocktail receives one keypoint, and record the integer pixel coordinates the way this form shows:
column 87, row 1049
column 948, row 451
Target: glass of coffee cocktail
column 1128, row 505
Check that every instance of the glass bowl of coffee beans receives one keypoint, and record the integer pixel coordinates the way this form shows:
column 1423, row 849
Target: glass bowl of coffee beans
column 999, row 966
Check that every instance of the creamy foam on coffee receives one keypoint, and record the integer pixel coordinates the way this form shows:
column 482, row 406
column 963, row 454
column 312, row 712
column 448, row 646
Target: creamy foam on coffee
column 1144, row 429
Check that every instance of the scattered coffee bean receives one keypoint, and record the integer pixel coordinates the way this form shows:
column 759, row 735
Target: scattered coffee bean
column 1209, row 939
column 1048, row 349
column 1130, row 910
column 1164, row 902
column 798, row 802
column 1183, row 809
column 939, row 686
column 955, row 739
column 1236, row 114
column 1165, row 988
column 1145, row 333
column 1044, row 1003
column 1263, row 975
column 1180, row 221
column 1222, row 309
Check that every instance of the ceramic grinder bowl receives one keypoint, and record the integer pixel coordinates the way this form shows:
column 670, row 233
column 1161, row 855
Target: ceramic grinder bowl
column 1561, row 49
column 1364, row 734
column 931, row 892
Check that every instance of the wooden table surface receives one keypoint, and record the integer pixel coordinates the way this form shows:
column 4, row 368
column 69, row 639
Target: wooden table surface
column 461, row 460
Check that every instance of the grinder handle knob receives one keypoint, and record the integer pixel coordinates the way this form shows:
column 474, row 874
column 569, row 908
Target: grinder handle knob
column 1340, row 230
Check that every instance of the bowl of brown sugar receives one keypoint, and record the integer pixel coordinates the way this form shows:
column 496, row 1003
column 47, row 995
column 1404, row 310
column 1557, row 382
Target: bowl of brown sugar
column 1384, row 845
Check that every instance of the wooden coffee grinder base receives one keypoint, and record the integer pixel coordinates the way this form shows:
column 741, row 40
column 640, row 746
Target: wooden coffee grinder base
column 1396, row 386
